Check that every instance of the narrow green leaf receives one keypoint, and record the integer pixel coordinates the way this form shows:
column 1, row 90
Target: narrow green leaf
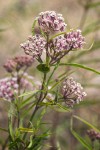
column 66, row 73
column 31, row 142
column 28, row 93
column 56, row 35
column 40, row 117
column 28, row 100
column 28, row 110
column 78, row 137
column 80, row 66
column 63, row 107
column 57, row 83
column 87, row 123
column 60, row 108
column 33, row 26
column 81, row 140
column 26, row 130
column 56, row 66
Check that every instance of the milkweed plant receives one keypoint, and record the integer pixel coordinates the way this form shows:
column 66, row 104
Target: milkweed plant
column 30, row 99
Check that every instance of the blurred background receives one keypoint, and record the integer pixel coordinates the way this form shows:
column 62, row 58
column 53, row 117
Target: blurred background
column 16, row 18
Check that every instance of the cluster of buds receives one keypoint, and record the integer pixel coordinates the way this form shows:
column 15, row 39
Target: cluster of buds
column 51, row 21
column 9, row 87
column 62, row 44
column 93, row 135
column 34, row 46
column 18, row 62
column 72, row 92
column 10, row 65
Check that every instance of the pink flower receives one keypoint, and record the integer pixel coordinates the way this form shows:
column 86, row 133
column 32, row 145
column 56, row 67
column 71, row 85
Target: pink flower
column 34, row 46
column 93, row 135
column 72, row 92
column 9, row 86
column 16, row 63
column 74, row 39
column 51, row 21
column 63, row 44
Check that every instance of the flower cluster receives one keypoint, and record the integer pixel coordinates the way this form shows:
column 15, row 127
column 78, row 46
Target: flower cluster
column 17, row 63
column 58, row 44
column 23, row 61
column 58, row 48
column 72, row 92
column 34, row 46
column 51, row 21
column 74, row 40
column 9, row 86
column 10, row 65
column 93, row 135
column 62, row 44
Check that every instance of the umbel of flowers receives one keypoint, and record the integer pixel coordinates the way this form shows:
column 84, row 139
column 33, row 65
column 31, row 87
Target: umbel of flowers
column 72, row 92
column 9, row 87
column 56, row 47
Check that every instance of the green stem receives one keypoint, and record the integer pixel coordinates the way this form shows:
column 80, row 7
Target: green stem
column 37, row 105
column 56, row 66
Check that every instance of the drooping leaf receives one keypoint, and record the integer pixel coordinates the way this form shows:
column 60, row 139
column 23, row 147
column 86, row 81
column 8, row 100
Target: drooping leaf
column 87, row 123
column 78, row 137
column 80, row 66
column 81, row 140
